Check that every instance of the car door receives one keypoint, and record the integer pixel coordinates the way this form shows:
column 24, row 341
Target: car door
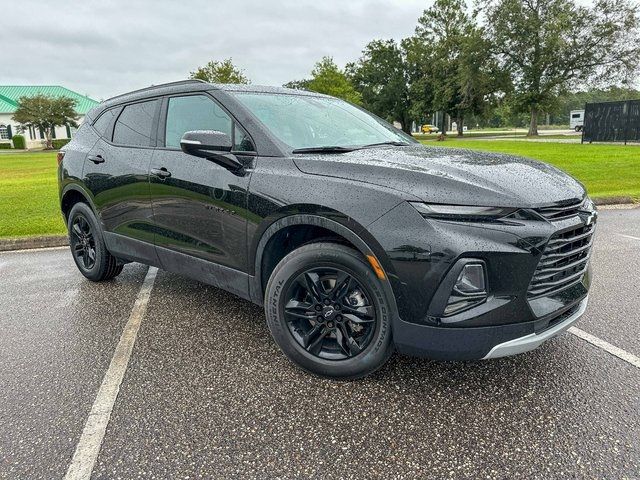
column 117, row 174
column 199, row 206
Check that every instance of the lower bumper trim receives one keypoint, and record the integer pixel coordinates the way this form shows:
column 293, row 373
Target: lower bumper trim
column 534, row 340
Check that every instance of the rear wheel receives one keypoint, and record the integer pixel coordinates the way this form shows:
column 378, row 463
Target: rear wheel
column 87, row 245
column 328, row 312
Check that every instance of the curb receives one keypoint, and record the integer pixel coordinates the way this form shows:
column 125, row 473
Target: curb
column 613, row 201
column 33, row 242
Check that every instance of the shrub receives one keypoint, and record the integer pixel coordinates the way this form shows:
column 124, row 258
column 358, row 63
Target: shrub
column 19, row 142
column 5, row 145
column 58, row 144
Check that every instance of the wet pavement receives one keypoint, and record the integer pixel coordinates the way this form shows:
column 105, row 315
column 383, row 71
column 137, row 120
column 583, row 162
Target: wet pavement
column 207, row 394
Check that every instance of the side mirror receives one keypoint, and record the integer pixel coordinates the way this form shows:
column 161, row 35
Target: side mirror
column 212, row 145
column 202, row 142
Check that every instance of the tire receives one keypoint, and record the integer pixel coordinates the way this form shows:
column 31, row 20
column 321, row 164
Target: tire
column 87, row 245
column 353, row 328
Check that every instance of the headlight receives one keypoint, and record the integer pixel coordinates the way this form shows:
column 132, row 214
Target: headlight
column 461, row 212
column 588, row 205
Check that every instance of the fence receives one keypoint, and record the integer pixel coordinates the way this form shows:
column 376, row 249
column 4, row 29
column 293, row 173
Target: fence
column 612, row 122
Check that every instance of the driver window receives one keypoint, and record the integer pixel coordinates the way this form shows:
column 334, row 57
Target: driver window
column 195, row 112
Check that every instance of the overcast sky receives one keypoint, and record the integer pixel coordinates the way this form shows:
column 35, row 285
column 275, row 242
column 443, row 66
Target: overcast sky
column 103, row 48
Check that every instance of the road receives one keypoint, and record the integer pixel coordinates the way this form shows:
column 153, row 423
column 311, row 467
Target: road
column 207, row 394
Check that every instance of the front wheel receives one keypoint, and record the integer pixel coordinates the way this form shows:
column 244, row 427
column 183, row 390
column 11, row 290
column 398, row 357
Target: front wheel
column 87, row 245
column 328, row 312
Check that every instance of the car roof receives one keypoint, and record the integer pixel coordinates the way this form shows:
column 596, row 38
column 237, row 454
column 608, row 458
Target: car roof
column 199, row 85
column 193, row 85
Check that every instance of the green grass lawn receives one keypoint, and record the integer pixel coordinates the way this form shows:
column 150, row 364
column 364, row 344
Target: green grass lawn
column 606, row 170
column 29, row 190
column 29, row 195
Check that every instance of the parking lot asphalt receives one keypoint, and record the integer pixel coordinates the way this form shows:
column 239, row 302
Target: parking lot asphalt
column 207, row 394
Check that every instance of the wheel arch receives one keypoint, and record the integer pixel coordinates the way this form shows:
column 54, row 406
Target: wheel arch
column 72, row 194
column 357, row 238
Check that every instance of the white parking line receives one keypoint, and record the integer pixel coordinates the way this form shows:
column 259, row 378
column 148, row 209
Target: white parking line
column 90, row 442
column 629, row 236
column 606, row 346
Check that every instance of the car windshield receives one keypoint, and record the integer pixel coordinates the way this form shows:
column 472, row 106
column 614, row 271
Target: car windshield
column 310, row 122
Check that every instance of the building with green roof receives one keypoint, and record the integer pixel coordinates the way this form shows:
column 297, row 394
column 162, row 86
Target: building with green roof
column 10, row 99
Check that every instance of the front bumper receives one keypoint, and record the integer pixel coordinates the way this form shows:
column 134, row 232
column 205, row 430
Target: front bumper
column 517, row 313
column 534, row 340
column 475, row 343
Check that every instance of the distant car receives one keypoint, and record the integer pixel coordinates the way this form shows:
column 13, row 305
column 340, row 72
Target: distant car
column 430, row 128
column 576, row 120
column 355, row 238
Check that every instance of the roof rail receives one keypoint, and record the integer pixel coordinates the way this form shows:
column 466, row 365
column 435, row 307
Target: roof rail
column 152, row 87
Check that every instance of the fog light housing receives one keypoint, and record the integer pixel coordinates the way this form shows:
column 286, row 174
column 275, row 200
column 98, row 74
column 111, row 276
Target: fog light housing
column 471, row 279
column 469, row 290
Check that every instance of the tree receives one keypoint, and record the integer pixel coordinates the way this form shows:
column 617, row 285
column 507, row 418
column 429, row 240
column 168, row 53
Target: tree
column 327, row 78
column 220, row 72
column 298, row 84
column 549, row 46
column 420, row 78
column 457, row 64
column 381, row 77
column 45, row 113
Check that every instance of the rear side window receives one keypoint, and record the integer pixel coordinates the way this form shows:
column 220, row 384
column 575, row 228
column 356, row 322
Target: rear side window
column 135, row 124
column 103, row 122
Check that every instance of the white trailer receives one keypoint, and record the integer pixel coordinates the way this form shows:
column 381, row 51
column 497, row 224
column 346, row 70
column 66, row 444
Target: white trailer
column 576, row 119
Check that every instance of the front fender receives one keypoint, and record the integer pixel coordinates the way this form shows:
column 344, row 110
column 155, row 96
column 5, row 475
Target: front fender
column 358, row 237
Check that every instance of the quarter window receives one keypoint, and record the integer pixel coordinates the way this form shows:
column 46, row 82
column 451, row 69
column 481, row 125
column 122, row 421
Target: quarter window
column 198, row 112
column 241, row 140
column 135, row 124
column 103, row 122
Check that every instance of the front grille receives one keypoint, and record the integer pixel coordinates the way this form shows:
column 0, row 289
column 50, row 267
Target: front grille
column 560, row 212
column 563, row 261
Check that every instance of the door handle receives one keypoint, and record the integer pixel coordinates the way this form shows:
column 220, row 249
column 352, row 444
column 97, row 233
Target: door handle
column 161, row 172
column 96, row 159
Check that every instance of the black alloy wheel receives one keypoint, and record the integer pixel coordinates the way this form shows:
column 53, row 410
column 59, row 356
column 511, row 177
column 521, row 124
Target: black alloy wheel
column 88, row 249
column 83, row 242
column 329, row 314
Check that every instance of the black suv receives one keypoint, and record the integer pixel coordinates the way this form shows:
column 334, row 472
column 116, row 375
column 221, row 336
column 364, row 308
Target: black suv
column 355, row 238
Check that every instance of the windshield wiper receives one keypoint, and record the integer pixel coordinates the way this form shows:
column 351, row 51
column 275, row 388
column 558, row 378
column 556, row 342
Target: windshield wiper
column 326, row 149
column 395, row 144
column 337, row 149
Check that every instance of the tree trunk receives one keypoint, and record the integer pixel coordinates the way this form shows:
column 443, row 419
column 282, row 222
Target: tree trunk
column 533, row 126
column 459, row 120
column 47, row 135
column 406, row 125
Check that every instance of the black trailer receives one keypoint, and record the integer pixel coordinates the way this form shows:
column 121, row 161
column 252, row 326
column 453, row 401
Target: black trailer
column 612, row 122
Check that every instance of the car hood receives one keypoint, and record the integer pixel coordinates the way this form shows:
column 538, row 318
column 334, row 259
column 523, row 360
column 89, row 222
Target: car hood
column 450, row 175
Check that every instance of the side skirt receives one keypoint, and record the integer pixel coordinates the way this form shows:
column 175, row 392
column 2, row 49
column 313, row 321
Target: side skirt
column 131, row 250
column 229, row 279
